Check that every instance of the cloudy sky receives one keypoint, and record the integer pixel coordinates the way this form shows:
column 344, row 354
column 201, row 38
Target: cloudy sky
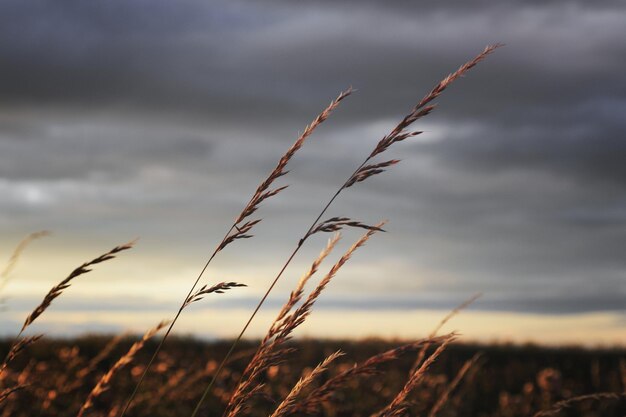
column 158, row 119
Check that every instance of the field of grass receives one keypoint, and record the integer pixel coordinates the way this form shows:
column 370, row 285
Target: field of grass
column 435, row 376
column 506, row 381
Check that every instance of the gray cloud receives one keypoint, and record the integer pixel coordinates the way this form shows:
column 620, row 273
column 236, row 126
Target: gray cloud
column 123, row 120
column 220, row 59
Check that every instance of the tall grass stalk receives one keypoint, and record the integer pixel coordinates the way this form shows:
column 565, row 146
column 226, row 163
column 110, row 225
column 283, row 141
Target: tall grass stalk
column 361, row 173
column 6, row 272
column 271, row 349
column 20, row 343
column 240, row 229
column 105, row 382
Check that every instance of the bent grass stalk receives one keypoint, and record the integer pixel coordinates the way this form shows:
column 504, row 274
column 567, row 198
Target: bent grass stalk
column 290, row 399
column 6, row 272
column 240, row 231
column 446, row 319
column 280, row 331
column 556, row 409
column 105, row 382
column 20, row 344
column 398, row 406
column 6, row 393
column 452, row 386
column 367, row 368
column 363, row 171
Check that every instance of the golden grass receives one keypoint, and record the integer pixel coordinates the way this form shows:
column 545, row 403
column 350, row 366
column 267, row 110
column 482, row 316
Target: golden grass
column 105, row 381
column 362, row 172
column 240, row 391
column 286, row 406
column 398, row 406
column 239, row 229
column 453, row 385
column 272, row 349
column 21, row 343
column 5, row 275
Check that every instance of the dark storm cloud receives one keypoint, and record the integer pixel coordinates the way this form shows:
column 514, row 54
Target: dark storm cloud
column 236, row 58
column 517, row 185
column 114, row 54
column 585, row 151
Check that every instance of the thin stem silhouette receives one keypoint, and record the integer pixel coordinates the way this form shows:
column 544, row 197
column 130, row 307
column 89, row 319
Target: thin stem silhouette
column 362, row 172
column 239, row 229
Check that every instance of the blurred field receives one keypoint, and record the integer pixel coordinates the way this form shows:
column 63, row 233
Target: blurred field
column 507, row 381
column 117, row 376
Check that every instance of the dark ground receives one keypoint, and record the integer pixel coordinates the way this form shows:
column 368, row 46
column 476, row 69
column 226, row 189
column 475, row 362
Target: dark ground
column 509, row 381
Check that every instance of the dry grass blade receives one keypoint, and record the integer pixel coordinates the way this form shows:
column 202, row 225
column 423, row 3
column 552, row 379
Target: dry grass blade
column 452, row 386
column 399, row 132
column 556, row 409
column 456, row 311
column 4, row 275
column 335, row 224
column 446, row 319
column 4, row 394
column 314, row 399
column 423, row 108
column 241, row 231
column 263, row 191
column 82, row 373
column 56, row 291
column 395, row 136
column 298, row 292
column 102, row 354
column 220, row 288
column 15, row 350
column 284, row 407
column 105, row 381
column 398, row 406
column 59, row 288
column 300, row 315
column 271, row 351
column 368, row 170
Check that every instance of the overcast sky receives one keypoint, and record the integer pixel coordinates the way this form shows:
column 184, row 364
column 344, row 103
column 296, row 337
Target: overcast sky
column 158, row 119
